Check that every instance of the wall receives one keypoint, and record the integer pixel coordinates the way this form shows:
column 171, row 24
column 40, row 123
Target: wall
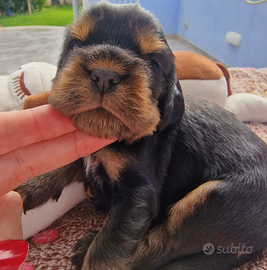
column 210, row 20
column 166, row 11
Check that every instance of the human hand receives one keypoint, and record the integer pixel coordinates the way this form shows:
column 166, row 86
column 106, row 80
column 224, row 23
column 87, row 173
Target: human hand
column 12, row 252
column 38, row 140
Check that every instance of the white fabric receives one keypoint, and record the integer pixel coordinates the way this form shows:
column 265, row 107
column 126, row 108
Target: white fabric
column 6, row 103
column 40, row 218
column 248, row 107
column 212, row 90
column 36, row 78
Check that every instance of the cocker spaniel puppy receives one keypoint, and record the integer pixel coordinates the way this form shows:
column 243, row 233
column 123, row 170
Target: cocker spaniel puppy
column 184, row 179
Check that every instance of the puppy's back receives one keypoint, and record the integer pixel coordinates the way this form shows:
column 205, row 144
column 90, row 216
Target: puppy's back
column 211, row 144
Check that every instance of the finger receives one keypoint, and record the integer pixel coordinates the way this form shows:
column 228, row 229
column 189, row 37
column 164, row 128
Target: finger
column 22, row 164
column 21, row 128
column 10, row 216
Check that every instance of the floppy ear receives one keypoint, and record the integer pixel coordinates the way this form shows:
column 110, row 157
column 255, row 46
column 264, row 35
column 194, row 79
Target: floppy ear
column 66, row 47
column 172, row 106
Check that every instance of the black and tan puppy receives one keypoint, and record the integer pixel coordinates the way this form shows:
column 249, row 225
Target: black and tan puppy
column 183, row 173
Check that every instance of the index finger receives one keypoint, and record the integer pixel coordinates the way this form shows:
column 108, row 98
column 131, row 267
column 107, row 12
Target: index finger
column 22, row 128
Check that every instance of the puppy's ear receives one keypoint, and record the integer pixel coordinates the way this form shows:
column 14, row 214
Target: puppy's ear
column 172, row 106
column 66, row 47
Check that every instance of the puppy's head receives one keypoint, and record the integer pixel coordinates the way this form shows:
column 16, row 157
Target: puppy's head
column 116, row 75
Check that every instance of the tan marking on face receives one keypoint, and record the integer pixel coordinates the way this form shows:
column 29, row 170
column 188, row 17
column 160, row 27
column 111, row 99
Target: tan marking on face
column 105, row 64
column 83, row 26
column 71, row 93
column 149, row 41
column 128, row 113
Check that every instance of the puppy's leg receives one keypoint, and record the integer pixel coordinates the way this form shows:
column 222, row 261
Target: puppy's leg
column 40, row 189
column 133, row 208
column 99, row 190
column 228, row 215
column 81, row 248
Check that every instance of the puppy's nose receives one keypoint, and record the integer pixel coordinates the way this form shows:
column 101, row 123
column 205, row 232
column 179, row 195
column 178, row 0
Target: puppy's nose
column 104, row 81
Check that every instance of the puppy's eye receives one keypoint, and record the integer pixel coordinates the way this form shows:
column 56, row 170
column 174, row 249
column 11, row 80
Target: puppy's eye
column 75, row 44
column 155, row 63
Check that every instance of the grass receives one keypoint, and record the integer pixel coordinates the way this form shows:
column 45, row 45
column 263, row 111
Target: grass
column 56, row 16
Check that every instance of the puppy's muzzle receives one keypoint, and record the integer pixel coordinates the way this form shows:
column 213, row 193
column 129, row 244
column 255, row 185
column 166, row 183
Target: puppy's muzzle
column 104, row 81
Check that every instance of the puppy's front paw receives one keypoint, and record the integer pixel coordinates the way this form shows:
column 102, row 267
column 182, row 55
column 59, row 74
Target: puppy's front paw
column 80, row 249
column 33, row 194
column 40, row 189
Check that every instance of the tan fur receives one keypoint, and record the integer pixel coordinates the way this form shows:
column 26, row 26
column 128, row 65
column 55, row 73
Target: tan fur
column 128, row 113
column 189, row 204
column 88, row 194
column 148, row 40
column 113, row 162
column 82, row 27
column 160, row 238
column 104, row 64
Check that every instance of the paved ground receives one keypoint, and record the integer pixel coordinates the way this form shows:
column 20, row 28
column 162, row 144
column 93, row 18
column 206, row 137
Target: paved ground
column 21, row 45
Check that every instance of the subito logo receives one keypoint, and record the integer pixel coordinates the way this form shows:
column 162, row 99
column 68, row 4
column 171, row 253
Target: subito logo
column 208, row 249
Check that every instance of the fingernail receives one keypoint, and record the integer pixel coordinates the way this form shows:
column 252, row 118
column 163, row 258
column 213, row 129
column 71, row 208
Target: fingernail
column 12, row 253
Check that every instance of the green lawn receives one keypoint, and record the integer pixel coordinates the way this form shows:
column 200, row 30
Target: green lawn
column 57, row 16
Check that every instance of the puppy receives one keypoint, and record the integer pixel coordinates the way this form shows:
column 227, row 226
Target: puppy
column 184, row 179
